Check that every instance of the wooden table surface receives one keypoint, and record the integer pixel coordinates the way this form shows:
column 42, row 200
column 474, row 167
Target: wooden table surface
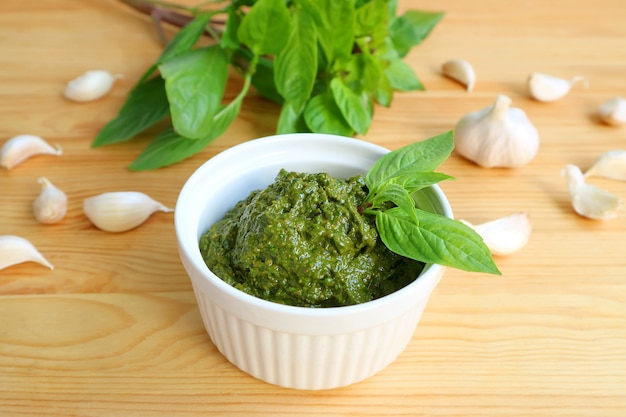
column 114, row 329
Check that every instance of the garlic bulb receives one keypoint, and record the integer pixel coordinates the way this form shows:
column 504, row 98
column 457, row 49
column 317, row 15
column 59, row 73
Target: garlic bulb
column 19, row 148
column 121, row 211
column 587, row 199
column 15, row 250
column 543, row 87
column 613, row 111
column 611, row 164
column 497, row 136
column 505, row 235
column 51, row 204
column 90, row 86
column 461, row 71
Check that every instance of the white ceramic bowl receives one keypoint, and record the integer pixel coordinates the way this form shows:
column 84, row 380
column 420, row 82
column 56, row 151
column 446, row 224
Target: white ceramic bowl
column 296, row 347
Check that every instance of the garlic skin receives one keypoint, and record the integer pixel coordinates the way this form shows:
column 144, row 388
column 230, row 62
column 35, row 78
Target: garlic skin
column 121, row 211
column 15, row 250
column 21, row 147
column 460, row 71
column 51, row 204
column 90, row 86
column 497, row 136
column 505, row 235
column 546, row 88
column 587, row 199
column 613, row 111
column 611, row 164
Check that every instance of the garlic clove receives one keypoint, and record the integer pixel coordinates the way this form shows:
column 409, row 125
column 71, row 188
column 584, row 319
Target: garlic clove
column 90, row 86
column 461, row 71
column 497, row 136
column 587, row 199
column 505, row 235
column 15, row 250
column 51, row 204
column 611, row 164
column 121, row 211
column 21, row 147
column 613, row 111
column 543, row 87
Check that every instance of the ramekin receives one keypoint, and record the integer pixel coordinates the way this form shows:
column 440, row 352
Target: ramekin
column 295, row 347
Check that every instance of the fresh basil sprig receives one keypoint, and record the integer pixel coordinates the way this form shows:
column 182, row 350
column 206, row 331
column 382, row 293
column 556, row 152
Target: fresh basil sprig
column 410, row 231
column 326, row 62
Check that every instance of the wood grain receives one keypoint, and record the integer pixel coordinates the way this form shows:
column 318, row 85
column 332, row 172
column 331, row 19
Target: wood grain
column 114, row 330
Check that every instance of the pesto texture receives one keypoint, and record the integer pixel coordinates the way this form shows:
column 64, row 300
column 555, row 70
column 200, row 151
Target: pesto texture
column 302, row 241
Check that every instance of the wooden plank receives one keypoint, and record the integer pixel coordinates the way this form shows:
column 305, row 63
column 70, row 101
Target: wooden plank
column 114, row 330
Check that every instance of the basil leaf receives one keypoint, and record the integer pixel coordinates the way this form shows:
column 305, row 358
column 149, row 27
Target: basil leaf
column 410, row 231
column 368, row 16
column 336, row 34
column 313, row 10
column 170, row 147
column 187, row 37
column 291, row 119
column 396, row 194
column 434, row 239
column 263, row 29
column 384, row 92
column 417, row 157
column 371, row 73
column 414, row 181
column 145, row 106
column 323, row 116
column 393, row 6
column 182, row 42
column 229, row 38
column 371, row 20
column 412, row 28
column 365, row 71
column 167, row 148
column 351, row 71
column 195, row 84
column 354, row 107
column 402, row 77
column 227, row 114
column 295, row 66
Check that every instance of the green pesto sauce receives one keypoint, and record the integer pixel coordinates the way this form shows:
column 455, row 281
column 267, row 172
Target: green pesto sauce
column 302, row 242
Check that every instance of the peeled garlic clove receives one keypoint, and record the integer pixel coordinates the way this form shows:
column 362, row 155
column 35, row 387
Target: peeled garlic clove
column 497, row 136
column 461, row 71
column 90, row 86
column 121, row 211
column 543, row 87
column 613, row 111
column 51, row 204
column 15, row 250
column 611, row 164
column 505, row 235
column 19, row 148
column 587, row 199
